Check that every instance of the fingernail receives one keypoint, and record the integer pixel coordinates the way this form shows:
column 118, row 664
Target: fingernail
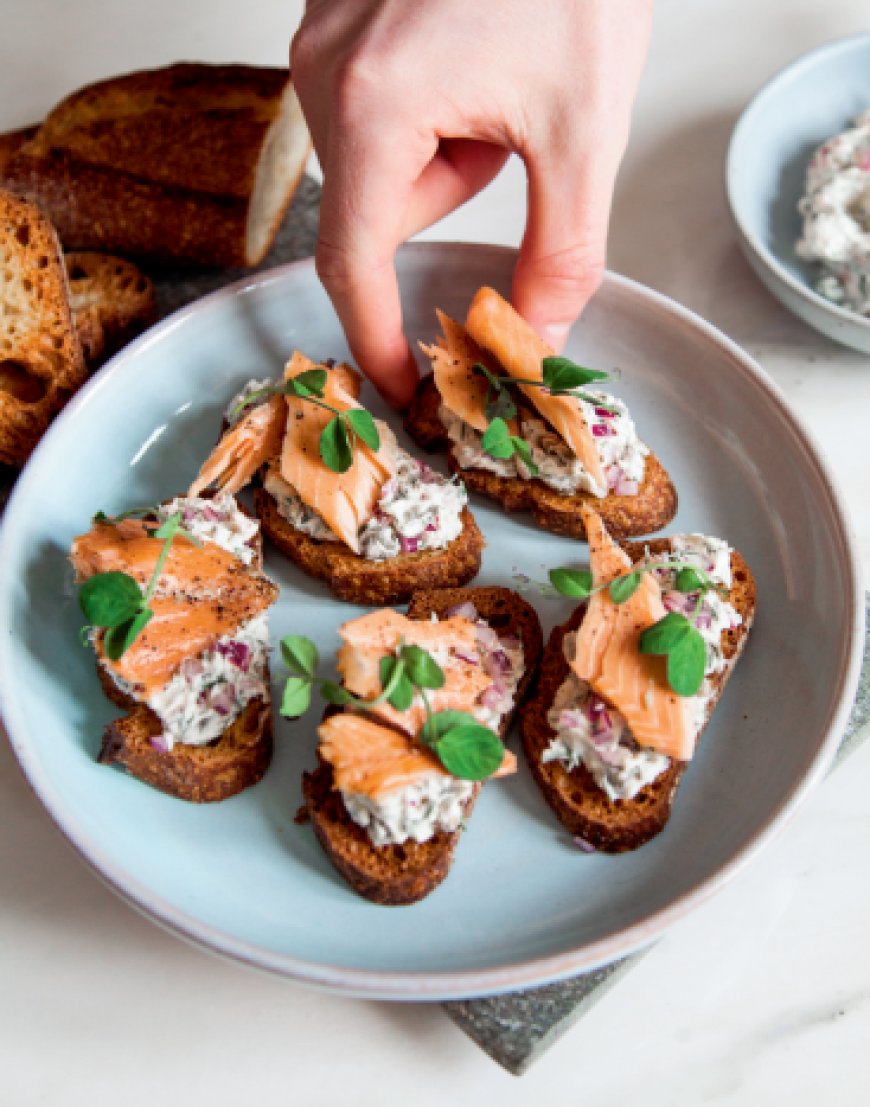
column 556, row 334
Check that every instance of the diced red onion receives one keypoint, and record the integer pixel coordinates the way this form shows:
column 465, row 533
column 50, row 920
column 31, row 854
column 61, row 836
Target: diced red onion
column 237, row 653
column 626, row 486
column 704, row 620
column 212, row 515
column 572, row 719
column 603, row 413
column 864, row 163
column 497, row 663
column 602, row 722
column 223, row 700
column 487, row 637
column 468, row 658
column 191, row 667
column 431, row 527
column 491, row 698
column 409, row 545
column 464, row 610
column 603, row 430
column 583, row 845
column 158, row 743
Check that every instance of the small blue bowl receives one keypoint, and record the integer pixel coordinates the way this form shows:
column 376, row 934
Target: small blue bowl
column 815, row 97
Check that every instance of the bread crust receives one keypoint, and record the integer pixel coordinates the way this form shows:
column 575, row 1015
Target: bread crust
column 158, row 164
column 579, row 804
column 41, row 361
column 111, row 301
column 378, row 583
column 397, row 875
column 624, row 516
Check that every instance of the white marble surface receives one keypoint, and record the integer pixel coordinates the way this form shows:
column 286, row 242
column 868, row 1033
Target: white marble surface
column 761, row 997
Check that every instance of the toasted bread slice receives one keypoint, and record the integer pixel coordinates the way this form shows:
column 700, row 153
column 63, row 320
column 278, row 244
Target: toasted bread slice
column 41, row 362
column 206, row 773
column 624, row 516
column 191, row 163
column 580, row 805
column 200, row 774
column 111, row 301
column 354, row 579
column 11, row 142
column 403, row 874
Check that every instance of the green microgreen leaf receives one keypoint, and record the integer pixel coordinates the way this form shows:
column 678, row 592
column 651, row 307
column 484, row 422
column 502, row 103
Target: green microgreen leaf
column 422, row 668
column 110, row 599
column 524, row 452
column 297, row 697
column 686, row 664
column 624, row 587
column 335, row 446
column 496, row 383
column 397, row 688
column 436, row 726
column 469, row 751
column 363, row 426
column 496, row 440
column 666, row 634
column 689, row 580
column 309, row 383
column 299, row 654
column 563, row 375
column 119, row 639
column 576, row 583
column 335, row 694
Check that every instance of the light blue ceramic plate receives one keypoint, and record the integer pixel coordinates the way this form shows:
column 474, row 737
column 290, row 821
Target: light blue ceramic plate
column 815, row 97
column 521, row 906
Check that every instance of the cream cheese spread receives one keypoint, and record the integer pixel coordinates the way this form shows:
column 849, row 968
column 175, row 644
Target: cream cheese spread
column 216, row 519
column 436, row 801
column 593, row 733
column 621, row 452
column 418, row 510
column 836, row 216
column 232, row 413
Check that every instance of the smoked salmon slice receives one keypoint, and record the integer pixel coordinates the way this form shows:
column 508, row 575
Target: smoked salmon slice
column 345, row 501
column 370, row 759
column 494, row 325
column 453, row 644
column 453, row 359
column 255, row 439
column 607, row 652
column 203, row 593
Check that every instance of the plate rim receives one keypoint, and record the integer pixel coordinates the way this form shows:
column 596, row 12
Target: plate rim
column 433, row 985
column 762, row 254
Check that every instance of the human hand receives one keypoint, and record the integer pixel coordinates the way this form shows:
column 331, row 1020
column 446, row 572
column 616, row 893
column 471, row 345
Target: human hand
column 414, row 108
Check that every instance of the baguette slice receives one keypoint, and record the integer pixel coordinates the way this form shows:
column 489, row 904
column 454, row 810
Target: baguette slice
column 651, row 509
column 580, row 805
column 111, row 301
column 191, row 163
column 376, row 583
column 402, row 874
column 41, row 361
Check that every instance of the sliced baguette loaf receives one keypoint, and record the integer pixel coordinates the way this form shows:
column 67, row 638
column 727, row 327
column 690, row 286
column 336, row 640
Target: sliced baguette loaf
column 403, row 874
column 652, row 508
column 580, row 805
column 191, row 163
column 111, row 302
column 41, row 361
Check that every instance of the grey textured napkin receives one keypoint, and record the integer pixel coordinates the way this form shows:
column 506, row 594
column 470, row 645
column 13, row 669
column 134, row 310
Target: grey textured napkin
column 517, row 1028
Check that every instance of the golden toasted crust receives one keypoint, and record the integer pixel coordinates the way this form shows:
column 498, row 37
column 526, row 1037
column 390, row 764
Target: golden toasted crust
column 624, row 516
column 200, row 774
column 41, row 362
column 111, row 301
column 163, row 163
column 580, row 805
column 11, row 142
column 402, row 874
column 355, row 580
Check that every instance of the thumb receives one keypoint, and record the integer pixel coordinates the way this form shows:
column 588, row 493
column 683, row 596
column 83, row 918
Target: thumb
column 562, row 255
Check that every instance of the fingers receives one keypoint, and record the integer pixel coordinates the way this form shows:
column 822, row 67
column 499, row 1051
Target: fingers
column 562, row 256
column 368, row 179
column 460, row 169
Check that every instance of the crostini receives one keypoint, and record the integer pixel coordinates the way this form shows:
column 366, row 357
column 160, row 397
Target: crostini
column 176, row 604
column 335, row 492
column 400, row 772
column 524, row 428
column 628, row 684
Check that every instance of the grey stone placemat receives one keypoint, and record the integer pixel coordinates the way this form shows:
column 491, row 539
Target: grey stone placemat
column 517, row 1028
